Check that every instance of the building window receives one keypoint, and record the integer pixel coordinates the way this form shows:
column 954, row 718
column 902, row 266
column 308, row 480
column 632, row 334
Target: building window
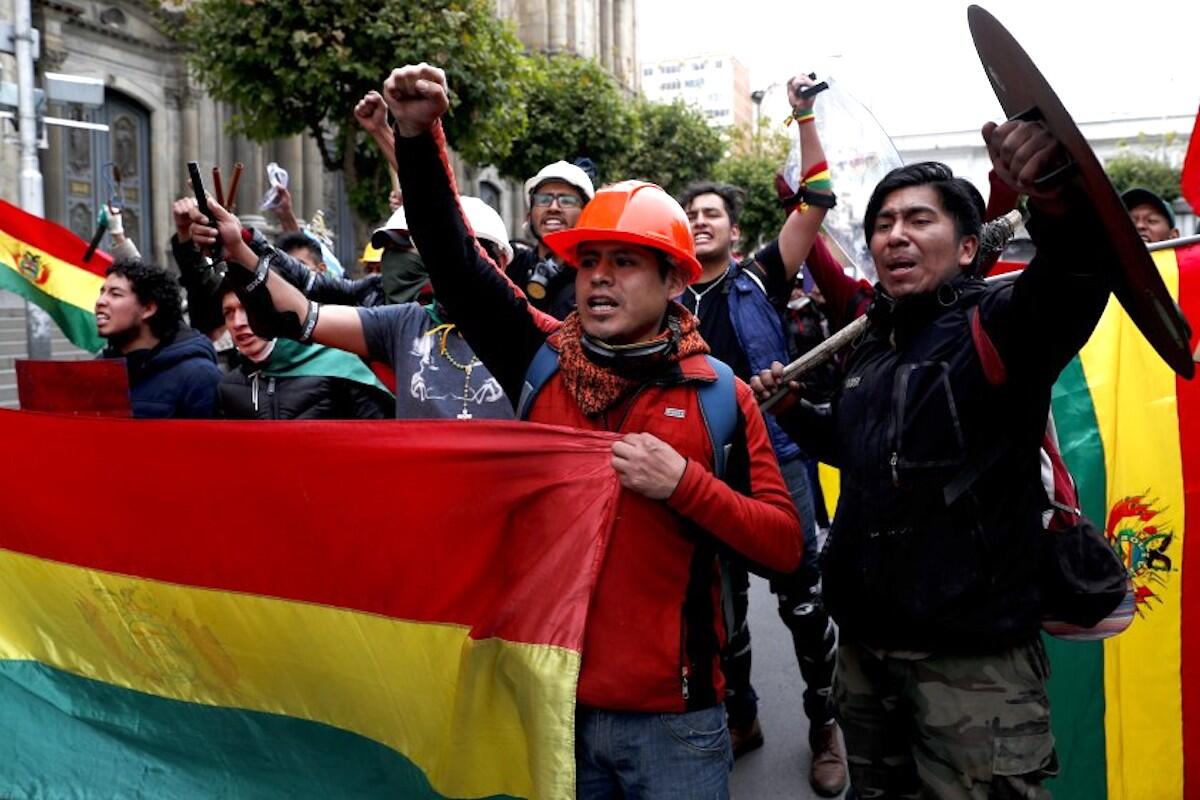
column 670, row 86
column 490, row 194
column 669, row 69
column 719, row 64
column 699, row 65
column 648, row 71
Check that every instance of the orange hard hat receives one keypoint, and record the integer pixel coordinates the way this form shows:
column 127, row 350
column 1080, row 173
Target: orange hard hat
column 635, row 212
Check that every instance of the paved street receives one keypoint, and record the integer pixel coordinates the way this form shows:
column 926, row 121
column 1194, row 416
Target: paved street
column 779, row 769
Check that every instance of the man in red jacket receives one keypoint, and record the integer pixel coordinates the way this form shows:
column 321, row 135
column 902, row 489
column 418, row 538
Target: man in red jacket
column 649, row 721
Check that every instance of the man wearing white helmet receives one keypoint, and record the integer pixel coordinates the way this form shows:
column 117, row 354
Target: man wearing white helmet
column 556, row 195
column 437, row 373
column 404, row 276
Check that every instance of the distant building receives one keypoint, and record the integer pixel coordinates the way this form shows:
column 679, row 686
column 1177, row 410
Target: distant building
column 1163, row 137
column 718, row 85
column 605, row 30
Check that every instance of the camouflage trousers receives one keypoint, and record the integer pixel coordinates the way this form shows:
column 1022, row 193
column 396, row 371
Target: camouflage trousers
column 947, row 727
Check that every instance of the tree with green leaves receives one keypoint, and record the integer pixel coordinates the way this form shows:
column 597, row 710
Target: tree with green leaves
column 299, row 66
column 673, row 145
column 751, row 166
column 1128, row 170
column 574, row 109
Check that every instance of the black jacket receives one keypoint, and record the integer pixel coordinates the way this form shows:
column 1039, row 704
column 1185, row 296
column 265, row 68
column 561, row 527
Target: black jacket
column 177, row 378
column 246, row 394
column 920, row 556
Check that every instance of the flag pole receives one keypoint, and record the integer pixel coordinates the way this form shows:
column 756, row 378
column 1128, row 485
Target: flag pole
column 1170, row 244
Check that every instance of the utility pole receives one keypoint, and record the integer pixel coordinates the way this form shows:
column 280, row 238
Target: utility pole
column 29, row 102
column 37, row 322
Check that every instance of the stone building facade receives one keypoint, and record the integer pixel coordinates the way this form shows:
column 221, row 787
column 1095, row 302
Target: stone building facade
column 159, row 119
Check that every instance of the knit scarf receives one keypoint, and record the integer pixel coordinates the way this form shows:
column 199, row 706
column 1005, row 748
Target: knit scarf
column 598, row 387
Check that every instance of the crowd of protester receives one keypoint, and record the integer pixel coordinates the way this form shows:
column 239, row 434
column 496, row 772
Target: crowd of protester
column 623, row 292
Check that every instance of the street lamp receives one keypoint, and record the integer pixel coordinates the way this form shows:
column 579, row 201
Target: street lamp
column 757, row 97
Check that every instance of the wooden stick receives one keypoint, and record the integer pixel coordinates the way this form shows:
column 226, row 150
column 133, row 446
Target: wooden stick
column 233, row 187
column 816, row 357
column 217, row 187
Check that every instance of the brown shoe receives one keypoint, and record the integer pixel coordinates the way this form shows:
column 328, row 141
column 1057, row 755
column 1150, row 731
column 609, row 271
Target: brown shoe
column 745, row 738
column 828, row 775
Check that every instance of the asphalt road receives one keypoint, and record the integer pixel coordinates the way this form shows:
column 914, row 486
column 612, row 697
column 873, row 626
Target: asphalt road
column 779, row 769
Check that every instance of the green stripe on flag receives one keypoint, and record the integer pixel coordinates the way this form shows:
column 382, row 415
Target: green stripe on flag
column 1076, row 685
column 68, row 736
column 78, row 325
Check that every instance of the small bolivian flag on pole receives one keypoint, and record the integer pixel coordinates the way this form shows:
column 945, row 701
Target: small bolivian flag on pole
column 1126, row 711
column 43, row 262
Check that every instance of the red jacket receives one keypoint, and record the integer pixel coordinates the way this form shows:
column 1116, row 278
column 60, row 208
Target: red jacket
column 655, row 629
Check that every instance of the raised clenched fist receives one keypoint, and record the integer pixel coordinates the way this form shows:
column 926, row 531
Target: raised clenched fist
column 417, row 97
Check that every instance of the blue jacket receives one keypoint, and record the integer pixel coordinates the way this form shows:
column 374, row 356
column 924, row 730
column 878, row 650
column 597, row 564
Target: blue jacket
column 178, row 378
column 760, row 332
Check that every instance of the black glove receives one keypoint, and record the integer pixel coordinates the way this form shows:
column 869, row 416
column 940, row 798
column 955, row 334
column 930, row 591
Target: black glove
column 201, row 283
column 323, row 288
column 366, row 291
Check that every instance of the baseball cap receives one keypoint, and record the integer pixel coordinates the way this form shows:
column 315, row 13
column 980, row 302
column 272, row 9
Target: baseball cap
column 1144, row 197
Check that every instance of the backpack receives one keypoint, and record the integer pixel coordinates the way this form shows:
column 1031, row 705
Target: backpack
column 1081, row 575
column 1087, row 594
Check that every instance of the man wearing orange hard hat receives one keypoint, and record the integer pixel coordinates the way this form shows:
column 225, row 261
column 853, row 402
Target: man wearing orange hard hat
column 694, row 456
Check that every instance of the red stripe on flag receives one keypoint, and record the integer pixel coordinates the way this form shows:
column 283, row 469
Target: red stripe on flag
column 1188, row 398
column 51, row 238
column 498, row 526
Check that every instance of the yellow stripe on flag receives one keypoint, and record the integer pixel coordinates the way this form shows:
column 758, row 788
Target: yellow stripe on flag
column 60, row 280
column 1133, row 393
column 831, row 486
column 460, row 709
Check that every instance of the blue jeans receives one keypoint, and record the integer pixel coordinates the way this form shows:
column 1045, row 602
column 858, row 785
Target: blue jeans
column 647, row 756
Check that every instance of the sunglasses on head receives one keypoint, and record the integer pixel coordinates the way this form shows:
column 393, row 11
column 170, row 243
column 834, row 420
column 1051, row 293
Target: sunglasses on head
column 565, row 200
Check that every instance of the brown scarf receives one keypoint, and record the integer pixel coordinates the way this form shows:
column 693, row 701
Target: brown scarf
column 597, row 388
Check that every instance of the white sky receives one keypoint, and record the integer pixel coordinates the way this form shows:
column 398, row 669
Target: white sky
column 914, row 65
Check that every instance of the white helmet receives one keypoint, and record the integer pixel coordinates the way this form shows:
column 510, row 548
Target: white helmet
column 487, row 224
column 561, row 171
column 396, row 225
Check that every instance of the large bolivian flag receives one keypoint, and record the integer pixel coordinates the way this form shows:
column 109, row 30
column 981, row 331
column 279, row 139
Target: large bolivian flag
column 1126, row 711
column 43, row 263
column 194, row 609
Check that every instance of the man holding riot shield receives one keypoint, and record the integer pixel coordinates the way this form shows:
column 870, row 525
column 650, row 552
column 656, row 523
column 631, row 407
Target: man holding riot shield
column 931, row 569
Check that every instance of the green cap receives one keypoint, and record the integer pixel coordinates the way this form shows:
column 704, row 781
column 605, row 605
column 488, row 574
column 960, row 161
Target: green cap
column 1144, row 197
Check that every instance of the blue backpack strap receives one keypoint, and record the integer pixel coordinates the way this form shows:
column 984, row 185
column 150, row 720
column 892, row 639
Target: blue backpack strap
column 718, row 404
column 541, row 368
column 718, row 400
